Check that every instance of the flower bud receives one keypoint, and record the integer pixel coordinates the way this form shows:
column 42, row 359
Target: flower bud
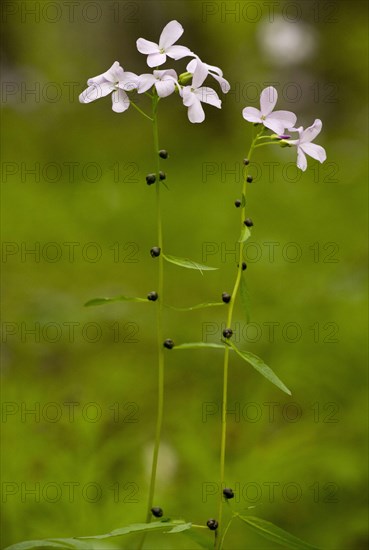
column 284, row 143
column 168, row 343
column 163, row 154
column 155, row 251
column 227, row 332
column 152, row 296
column 226, row 297
column 150, row 179
column 157, row 512
column 248, row 222
column 185, row 78
column 212, row 524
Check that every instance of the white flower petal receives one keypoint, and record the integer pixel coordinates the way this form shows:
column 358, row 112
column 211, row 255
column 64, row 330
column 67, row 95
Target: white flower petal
column 156, row 59
column 301, row 159
column 251, row 114
column 268, row 99
column 199, row 75
column 224, row 84
column 177, row 52
column 317, row 152
column 278, row 121
column 146, row 46
column 112, row 75
column 120, row 101
column 188, row 96
column 145, row 82
column 165, row 87
column 208, row 95
column 128, row 82
column 310, row 133
column 170, row 34
column 164, row 73
column 196, row 112
column 191, row 66
column 96, row 91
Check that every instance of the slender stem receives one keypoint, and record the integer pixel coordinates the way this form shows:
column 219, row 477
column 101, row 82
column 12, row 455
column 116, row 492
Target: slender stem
column 236, row 287
column 141, row 111
column 159, row 309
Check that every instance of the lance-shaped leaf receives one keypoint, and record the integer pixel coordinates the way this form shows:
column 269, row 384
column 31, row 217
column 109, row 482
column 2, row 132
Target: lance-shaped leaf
column 166, row 526
column 51, row 544
column 188, row 264
column 245, row 234
column 276, row 534
column 102, row 301
column 261, row 367
column 197, row 306
column 196, row 345
column 179, row 528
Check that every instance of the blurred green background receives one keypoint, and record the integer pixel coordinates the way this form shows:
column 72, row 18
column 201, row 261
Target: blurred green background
column 78, row 465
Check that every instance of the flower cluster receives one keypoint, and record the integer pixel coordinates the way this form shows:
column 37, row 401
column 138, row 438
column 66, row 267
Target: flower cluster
column 189, row 85
column 280, row 121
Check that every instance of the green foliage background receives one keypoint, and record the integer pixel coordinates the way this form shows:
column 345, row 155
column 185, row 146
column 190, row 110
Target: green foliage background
column 326, row 204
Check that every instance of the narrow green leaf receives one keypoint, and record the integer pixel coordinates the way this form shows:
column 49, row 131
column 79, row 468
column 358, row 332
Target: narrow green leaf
column 189, row 264
column 138, row 528
column 201, row 539
column 245, row 234
column 102, row 301
column 180, row 527
column 276, row 534
column 195, row 345
column 261, row 367
column 47, row 544
column 198, row 306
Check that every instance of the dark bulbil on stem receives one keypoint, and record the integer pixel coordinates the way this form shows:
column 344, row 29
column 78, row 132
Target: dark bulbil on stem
column 155, row 251
column 237, row 203
column 249, row 179
column 168, row 343
column 212, row 524
column 152, row 296
column 162, row 176
column 244, row 266
column 150, row 179
column 226, row 297
column 228, row 493
column 157, row 512
column 246, row 162
column 248, row 222
column 227, row 332
column 163, row 154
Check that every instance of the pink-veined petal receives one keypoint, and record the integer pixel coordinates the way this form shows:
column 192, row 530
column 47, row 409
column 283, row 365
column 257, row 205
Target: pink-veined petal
column 301, row 159
column 146, row 46
column 165, row 87
column 317, row 152
column 208, row 95
column 196, row 112
column 310, row 133
column 145, row 82
column 268, row 99
column 96, row 91
column 251, row 114
column 278, row 121
column 120, row 101
column 170, row 34
column 156, row 59
column 177, row 52
column 224, row 84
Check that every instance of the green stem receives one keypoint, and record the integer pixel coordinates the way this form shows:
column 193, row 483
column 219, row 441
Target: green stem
column 160, row 290
column 141, row 111
column 235, row 290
